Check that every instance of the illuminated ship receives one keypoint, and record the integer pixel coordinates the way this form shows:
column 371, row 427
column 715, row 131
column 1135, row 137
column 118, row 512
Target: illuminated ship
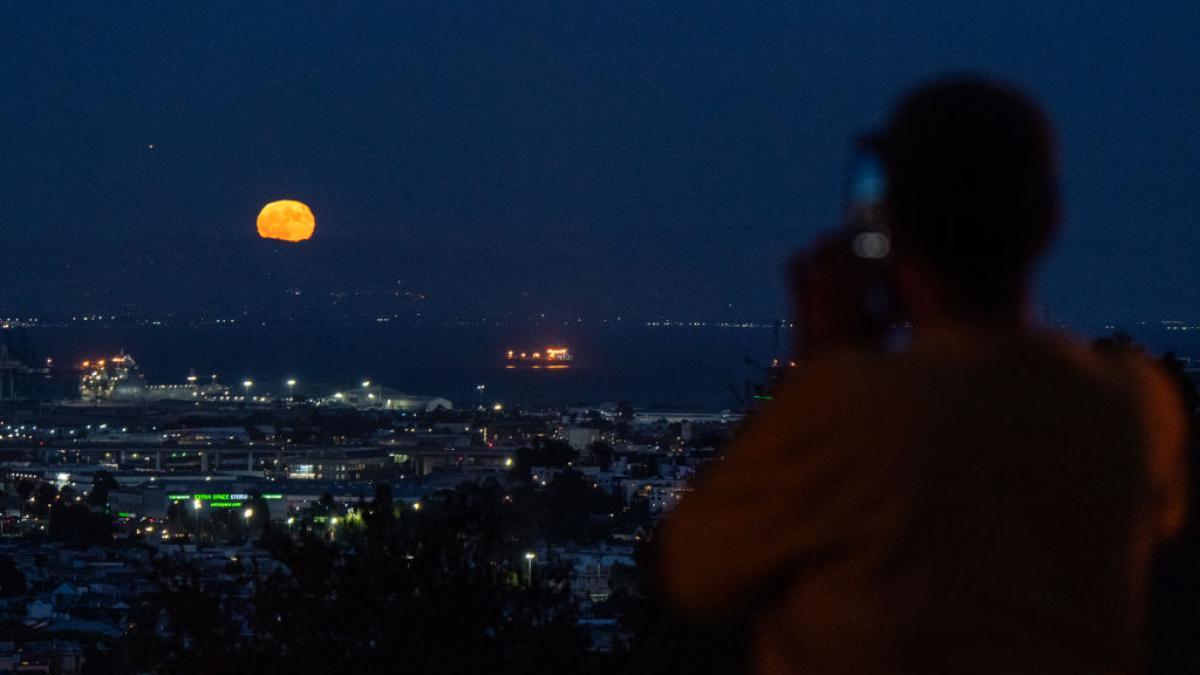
column 550, row 358
column 117, row 378
column 118, row 381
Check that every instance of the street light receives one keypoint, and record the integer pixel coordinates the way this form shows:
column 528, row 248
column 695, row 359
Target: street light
column 196, row 504
column 291, row 389
column 247, row 384
column 529, row 562
column 248, row 513
column 479, row 388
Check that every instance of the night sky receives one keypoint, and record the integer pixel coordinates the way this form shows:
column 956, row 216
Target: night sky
column 579, row 159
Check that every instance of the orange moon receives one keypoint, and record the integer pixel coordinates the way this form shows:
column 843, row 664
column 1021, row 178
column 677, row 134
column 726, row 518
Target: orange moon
column 286, row 220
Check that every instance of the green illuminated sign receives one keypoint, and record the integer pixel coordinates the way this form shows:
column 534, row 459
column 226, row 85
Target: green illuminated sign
column 216, row 496
column 124, row 514
column 220, row 500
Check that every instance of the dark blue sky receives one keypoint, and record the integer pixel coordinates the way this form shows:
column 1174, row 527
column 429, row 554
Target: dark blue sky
column 570, row 158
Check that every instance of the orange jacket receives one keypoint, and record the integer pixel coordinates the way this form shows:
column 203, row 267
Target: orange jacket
column 982, row 503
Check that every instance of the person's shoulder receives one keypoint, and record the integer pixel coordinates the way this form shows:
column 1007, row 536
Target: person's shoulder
column 1161, row 393
column 841, row 384
column 1091, row 359
column 1126, row 368
column 964, row 363
column 1111, row 358
column 840, row 369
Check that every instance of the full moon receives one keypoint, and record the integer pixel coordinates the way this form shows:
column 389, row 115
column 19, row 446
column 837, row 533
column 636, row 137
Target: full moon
column 286, row 220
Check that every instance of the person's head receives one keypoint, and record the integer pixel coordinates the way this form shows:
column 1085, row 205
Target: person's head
column 972, row 192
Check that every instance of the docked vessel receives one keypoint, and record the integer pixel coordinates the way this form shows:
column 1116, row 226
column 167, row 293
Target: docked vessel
column 114, row 379
column 550, row 358
column 118, row 380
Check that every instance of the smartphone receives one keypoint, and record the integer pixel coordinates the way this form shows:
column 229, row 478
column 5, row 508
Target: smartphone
column 866, row 188
column 868, row 234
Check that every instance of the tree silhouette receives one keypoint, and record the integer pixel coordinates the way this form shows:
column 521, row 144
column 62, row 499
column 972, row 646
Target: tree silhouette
column 601, row 454
column 78, row 525
column 439, row 593
column 545, row 452
column 102, row 484
column 12, row 581
column 44, row 496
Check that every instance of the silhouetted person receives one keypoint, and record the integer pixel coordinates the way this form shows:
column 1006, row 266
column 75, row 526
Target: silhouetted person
column 986, row 500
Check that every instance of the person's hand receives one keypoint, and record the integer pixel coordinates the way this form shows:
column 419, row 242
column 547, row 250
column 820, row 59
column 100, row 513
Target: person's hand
column 832, row 289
